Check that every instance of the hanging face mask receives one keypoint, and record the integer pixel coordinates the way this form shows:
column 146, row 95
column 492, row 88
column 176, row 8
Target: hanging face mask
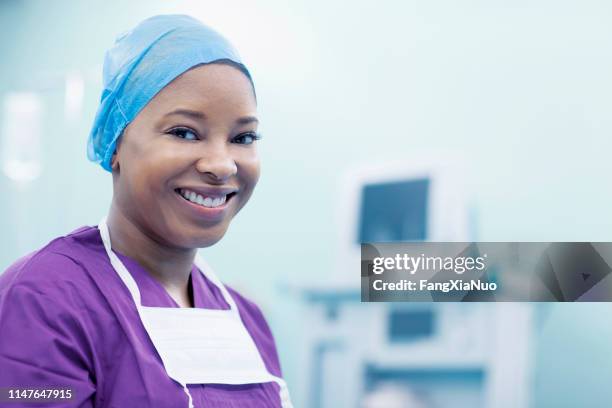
column 199, row 346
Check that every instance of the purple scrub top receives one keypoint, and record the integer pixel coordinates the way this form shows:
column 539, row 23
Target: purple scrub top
column 67, row 320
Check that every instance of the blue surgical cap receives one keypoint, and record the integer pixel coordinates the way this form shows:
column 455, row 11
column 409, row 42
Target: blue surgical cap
column 142, row 62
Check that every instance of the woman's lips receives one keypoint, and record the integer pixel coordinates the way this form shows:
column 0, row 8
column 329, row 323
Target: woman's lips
column 209, row 206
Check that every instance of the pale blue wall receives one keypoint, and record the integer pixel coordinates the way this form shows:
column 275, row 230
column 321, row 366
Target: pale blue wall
column 521, row 90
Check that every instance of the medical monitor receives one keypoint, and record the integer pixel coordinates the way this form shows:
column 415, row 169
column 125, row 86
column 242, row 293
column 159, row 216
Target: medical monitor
column 419, row 200
column 393, row 211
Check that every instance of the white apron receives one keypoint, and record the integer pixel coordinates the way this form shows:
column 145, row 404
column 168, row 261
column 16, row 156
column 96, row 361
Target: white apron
column 199, row 346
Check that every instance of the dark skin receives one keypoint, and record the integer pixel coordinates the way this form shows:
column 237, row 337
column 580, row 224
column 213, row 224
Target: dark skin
column 209, row 145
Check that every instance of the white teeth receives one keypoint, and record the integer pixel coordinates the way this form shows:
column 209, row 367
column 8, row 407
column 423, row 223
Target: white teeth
column 196, row 198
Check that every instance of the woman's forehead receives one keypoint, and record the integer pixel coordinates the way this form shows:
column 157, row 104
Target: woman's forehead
column 210, row 83
column 212, row 75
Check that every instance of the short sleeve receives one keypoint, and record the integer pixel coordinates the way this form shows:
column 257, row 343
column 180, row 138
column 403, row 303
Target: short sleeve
column 43, row 344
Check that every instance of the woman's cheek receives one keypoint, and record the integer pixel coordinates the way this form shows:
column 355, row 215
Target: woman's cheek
column 250, row 167
column 249, row 176
column 169, row 159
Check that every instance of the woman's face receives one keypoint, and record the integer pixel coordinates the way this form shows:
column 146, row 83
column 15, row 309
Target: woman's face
column 188, row 162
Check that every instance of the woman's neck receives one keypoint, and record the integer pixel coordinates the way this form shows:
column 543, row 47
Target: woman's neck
column 171, row 267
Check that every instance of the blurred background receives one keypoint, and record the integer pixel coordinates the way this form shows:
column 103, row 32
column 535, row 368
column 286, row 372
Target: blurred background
column 474, row 120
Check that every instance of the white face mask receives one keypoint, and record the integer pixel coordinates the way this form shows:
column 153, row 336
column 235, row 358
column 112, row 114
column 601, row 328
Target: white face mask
column 199, row 346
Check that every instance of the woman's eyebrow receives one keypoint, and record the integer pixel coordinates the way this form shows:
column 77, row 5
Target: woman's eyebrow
column 245, row 120
column 187, row 112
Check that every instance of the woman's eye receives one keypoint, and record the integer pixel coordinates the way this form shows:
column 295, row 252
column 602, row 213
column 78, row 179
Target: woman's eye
column 247, row 138
column 184, row 133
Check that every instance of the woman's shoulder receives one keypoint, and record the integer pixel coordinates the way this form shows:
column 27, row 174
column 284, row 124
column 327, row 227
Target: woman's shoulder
column 50, row 333
column 59, row 262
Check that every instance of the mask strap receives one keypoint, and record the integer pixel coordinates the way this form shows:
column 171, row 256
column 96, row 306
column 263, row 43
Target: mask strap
column 285, row 398
column 188, row 395
column 210, row 275
column 125, row 276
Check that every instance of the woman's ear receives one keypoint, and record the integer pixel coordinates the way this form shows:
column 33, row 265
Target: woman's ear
column 115, row 162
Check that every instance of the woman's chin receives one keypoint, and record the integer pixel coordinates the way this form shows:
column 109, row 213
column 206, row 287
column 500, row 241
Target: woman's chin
column 205, row 243
column 201, row 240
column 189, row 234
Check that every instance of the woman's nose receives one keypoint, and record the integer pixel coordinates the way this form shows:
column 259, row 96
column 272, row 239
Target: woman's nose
column 217, row 163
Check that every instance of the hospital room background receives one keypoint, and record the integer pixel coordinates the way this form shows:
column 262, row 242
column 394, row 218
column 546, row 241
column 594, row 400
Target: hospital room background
column 364, row 107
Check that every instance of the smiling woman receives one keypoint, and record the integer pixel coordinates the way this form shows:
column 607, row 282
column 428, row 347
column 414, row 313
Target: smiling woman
column 203, row 151
column 126, row 314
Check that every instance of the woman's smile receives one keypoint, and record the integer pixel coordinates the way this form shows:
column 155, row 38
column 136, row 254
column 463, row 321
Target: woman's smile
column 206, row 202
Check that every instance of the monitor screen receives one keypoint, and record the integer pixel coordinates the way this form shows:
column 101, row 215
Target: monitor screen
column 394, row 211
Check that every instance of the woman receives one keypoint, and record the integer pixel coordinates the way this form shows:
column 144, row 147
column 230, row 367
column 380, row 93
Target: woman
column 118, row 314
